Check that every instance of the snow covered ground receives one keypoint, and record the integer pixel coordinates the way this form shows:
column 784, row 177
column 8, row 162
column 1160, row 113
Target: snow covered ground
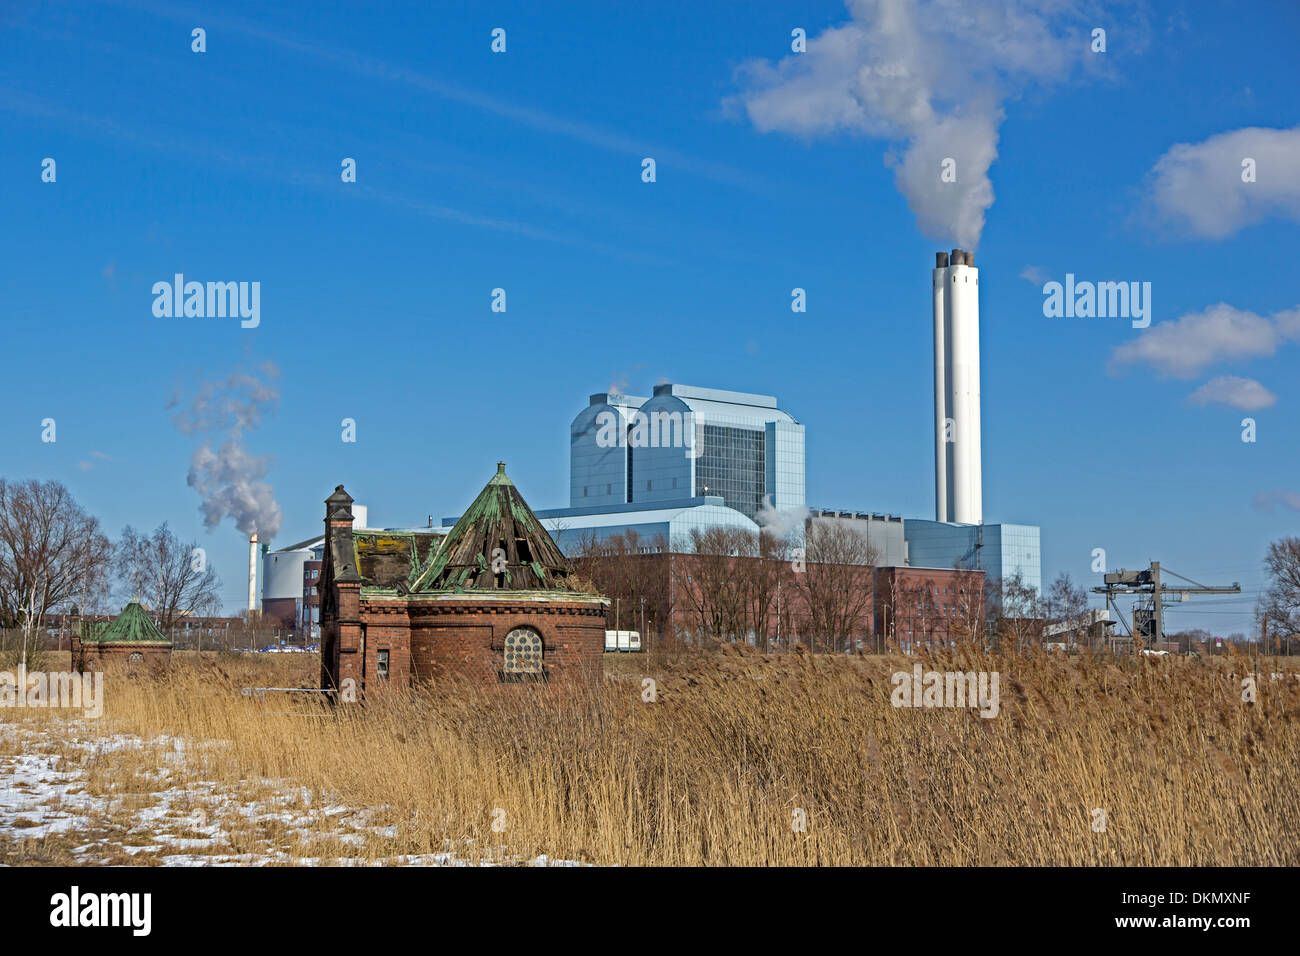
column 52, row 800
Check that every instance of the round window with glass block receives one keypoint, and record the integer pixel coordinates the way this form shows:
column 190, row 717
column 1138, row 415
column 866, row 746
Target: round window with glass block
column 523, row 651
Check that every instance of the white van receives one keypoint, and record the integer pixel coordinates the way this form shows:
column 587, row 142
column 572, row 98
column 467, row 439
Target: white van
column 622, row 641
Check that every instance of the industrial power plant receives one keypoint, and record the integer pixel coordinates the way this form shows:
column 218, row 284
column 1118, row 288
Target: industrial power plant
column 742, row 465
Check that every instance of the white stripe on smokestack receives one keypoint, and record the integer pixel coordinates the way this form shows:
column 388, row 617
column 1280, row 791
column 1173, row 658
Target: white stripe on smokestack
column 252, row 574
column 959, row 493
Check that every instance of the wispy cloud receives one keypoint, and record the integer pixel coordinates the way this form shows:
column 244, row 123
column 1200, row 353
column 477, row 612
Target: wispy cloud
column 90, row 465
column 20, row 101
column 1034, row 274
column 1268, row 501
column 533, row 118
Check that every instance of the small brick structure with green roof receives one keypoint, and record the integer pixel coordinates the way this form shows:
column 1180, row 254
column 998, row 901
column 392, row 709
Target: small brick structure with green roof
column 130, row 639
column 493, row 601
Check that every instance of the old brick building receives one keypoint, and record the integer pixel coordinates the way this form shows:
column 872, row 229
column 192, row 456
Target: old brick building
column 130, row 640
column 494, row 601
column 766, row 601
column 927, row 607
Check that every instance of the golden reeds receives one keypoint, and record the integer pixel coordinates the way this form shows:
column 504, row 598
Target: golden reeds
column 739, row 759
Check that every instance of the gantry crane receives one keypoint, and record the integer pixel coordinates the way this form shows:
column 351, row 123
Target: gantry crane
column 1154, row 594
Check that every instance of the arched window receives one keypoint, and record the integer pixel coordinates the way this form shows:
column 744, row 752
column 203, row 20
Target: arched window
column 135, row 657
column 523, row 654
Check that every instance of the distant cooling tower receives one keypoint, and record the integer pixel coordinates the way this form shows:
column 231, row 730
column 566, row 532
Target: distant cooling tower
column 958, row 484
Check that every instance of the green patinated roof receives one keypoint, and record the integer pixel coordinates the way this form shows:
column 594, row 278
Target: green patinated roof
column 498, row 544
column 132, row 626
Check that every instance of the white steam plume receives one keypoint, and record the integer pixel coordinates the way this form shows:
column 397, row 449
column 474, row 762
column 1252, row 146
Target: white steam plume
column 932, row 75
column 223, row 472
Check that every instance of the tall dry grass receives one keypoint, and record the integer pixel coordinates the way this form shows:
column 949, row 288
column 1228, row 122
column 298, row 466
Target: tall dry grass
column 714, row 770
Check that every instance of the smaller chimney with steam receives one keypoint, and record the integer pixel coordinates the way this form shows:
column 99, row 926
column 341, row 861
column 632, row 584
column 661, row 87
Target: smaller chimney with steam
column 252, row 575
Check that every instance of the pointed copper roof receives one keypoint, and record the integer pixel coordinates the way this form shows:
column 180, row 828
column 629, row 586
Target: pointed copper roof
column 132, row 626
column 498, row 544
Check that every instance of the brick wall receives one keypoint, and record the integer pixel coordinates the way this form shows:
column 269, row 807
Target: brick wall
column 93, row 657
column 424, row 640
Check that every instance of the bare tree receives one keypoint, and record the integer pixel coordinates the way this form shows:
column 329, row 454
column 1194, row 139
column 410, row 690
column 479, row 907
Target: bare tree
column 51, row 550
column 1064, row 600
column 1279, row 605
column 969, row 615
column 1017, row 610
column 625, row 567
column 171, row 577
column 835, row 585
column 768, row 582
column 709, row 582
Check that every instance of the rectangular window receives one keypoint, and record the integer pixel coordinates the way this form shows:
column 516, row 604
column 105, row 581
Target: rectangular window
column 381, row 668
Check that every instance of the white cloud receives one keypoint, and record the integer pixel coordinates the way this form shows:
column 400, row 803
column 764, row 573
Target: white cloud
column 1243, row 393
column 1288, row 323
column 1034, row 274
column 1186, row 346
column 932, row 74
column 1197, row 187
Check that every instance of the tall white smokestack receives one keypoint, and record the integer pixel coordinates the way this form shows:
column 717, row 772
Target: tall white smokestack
column 958, row 479
column 252, row 575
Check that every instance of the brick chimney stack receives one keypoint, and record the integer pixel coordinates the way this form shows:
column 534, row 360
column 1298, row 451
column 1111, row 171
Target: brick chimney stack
column 342, row 650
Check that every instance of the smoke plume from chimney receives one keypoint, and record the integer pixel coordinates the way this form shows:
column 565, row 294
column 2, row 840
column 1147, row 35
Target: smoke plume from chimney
column 931, row 75
column 226, row 475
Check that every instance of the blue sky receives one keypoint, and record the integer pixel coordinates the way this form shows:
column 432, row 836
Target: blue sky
column 522, row 170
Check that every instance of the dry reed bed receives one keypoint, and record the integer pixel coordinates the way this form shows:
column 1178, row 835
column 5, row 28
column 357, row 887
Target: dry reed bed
column 713, row 771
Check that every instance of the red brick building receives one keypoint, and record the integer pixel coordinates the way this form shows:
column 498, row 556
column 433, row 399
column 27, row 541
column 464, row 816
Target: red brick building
column 494, row 601
column 927, row 607
column 827, row 607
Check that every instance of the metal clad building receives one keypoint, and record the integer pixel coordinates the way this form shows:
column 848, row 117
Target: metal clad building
column 685, row 442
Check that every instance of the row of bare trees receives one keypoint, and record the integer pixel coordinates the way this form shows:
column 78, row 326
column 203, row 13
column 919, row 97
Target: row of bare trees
column 55, row 557
column 731, row 584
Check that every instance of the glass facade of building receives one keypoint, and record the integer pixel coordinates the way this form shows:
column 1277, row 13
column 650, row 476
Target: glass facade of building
column 732, row 463
column 999, row 550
